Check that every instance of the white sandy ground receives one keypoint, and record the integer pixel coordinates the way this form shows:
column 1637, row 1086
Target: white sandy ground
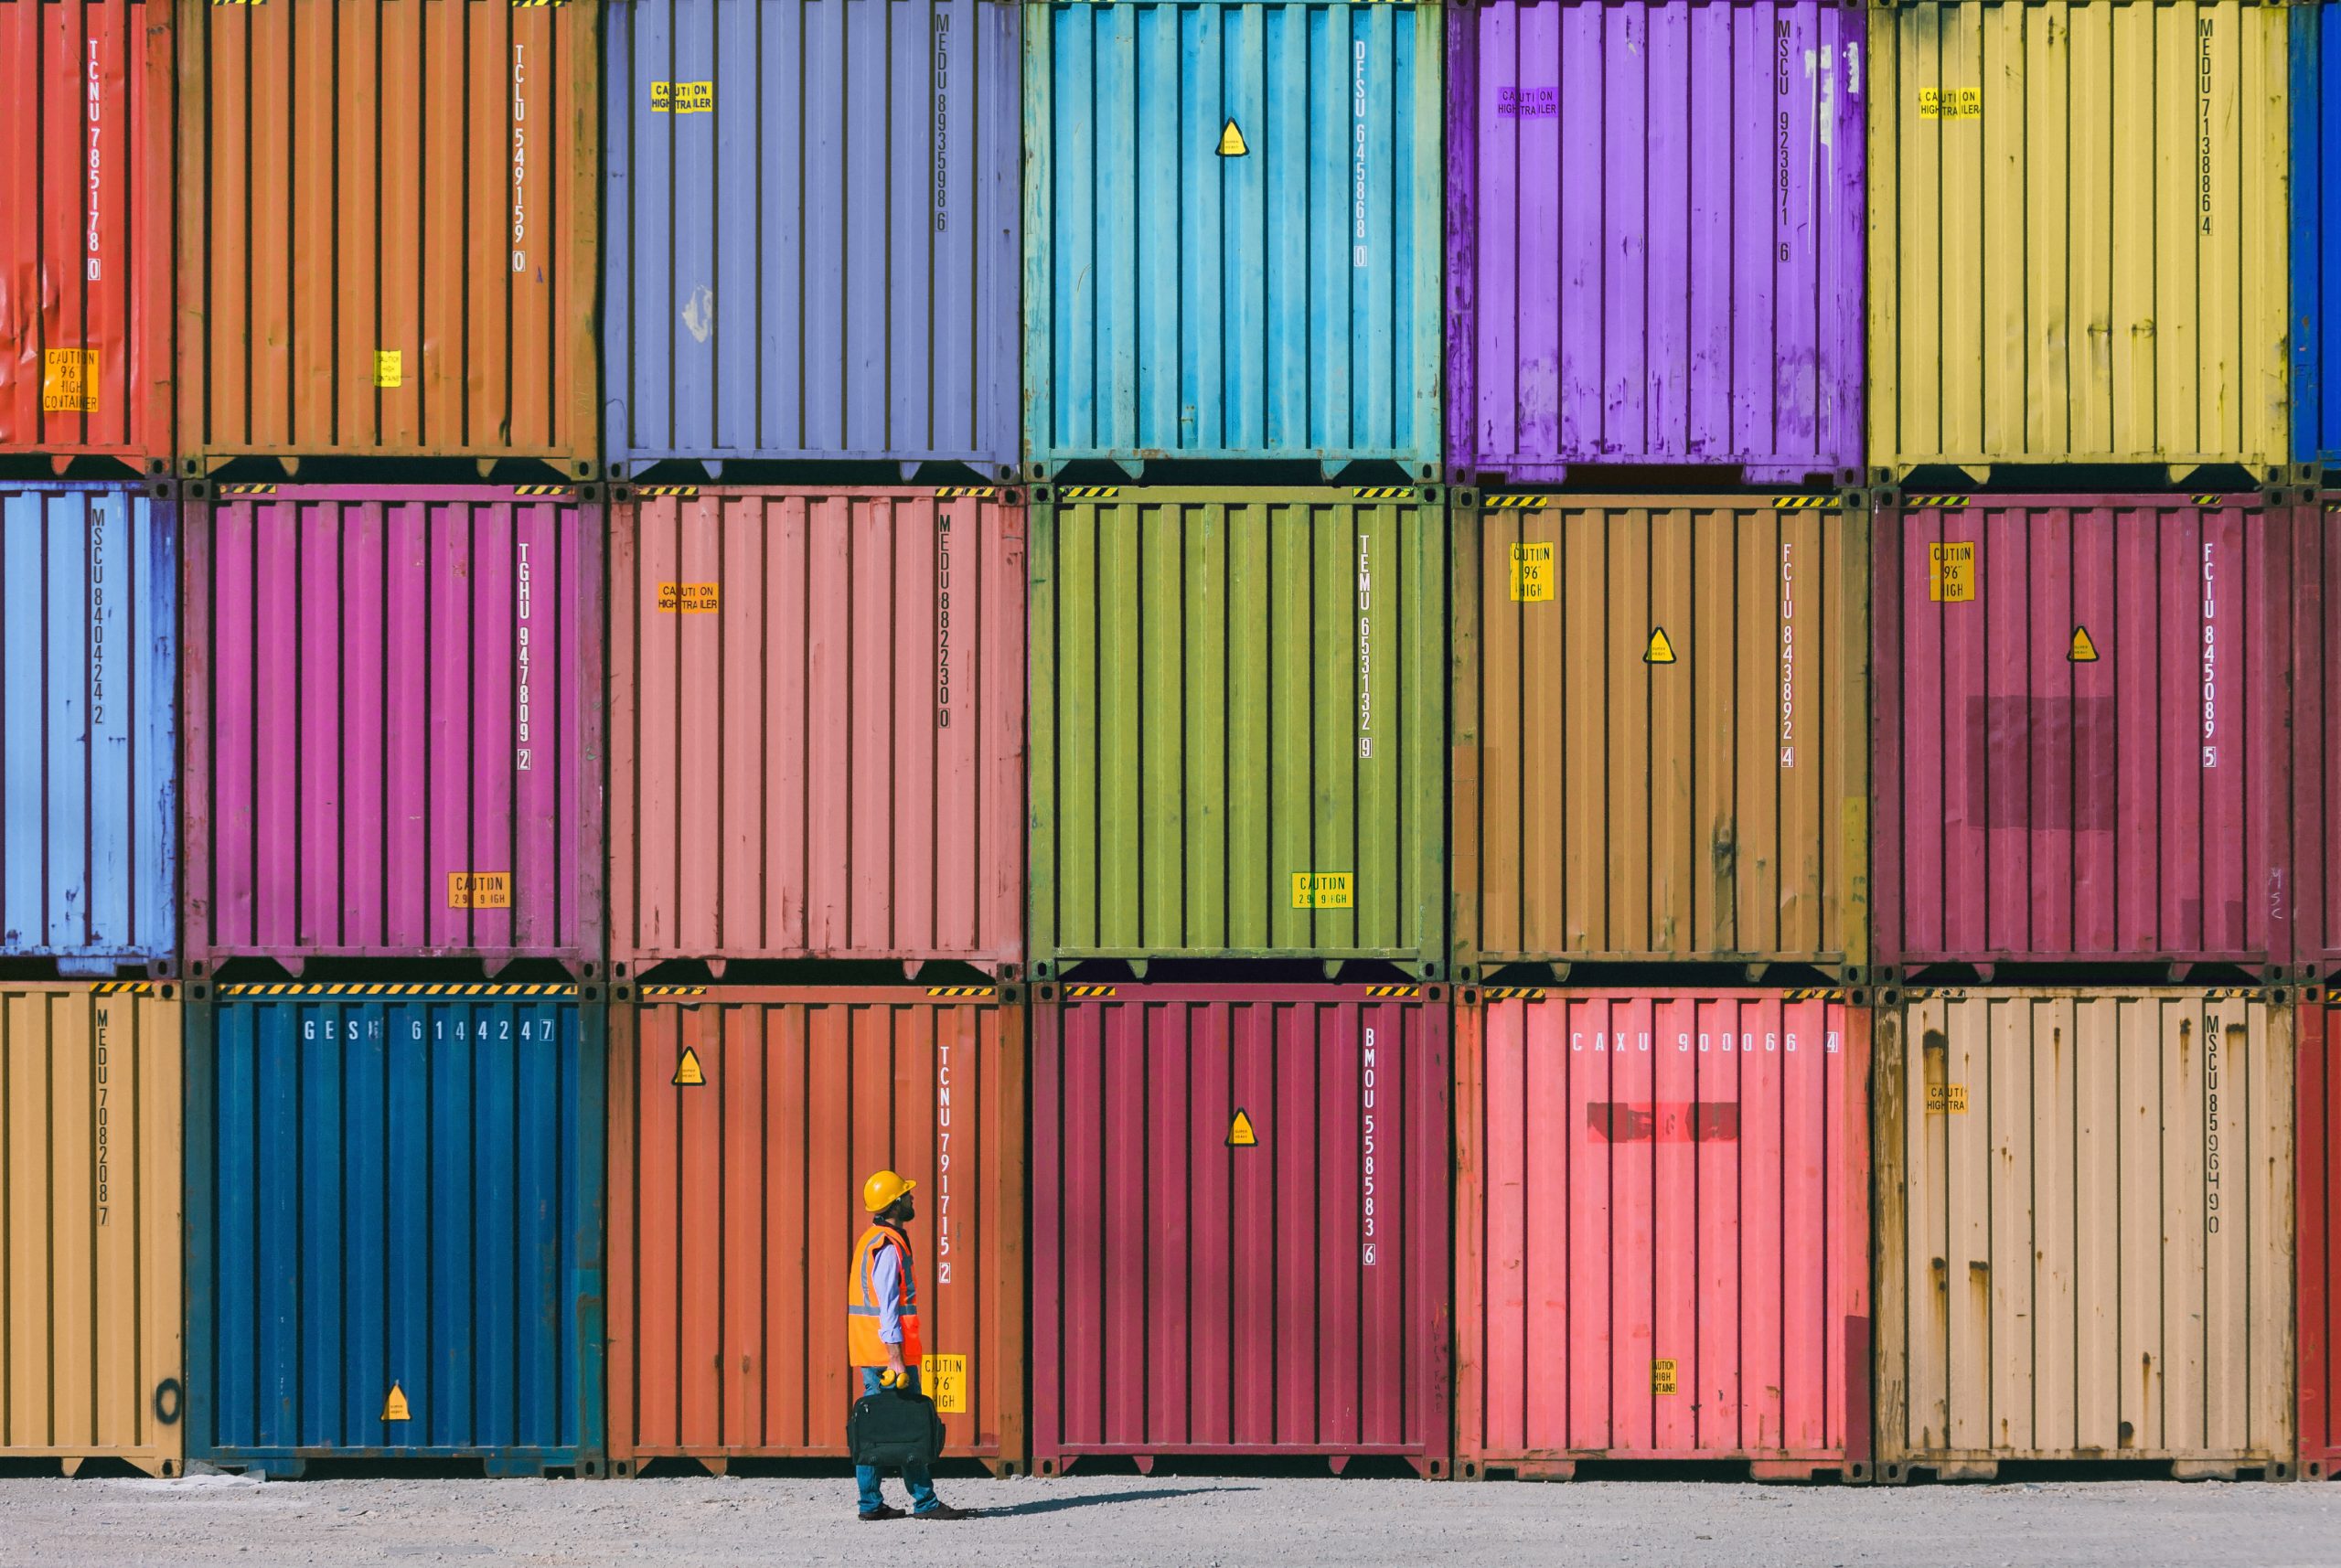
column 1227, row 1522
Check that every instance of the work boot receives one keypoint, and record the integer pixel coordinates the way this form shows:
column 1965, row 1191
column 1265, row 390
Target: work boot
column 945, row 1510
column 883, row 1510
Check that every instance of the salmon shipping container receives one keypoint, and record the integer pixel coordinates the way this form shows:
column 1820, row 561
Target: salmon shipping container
column 1659, row 1262
column 2312, row 578
column 86, row 109
column 394, row 1225
column 89, row 1153
column 2317, row 1203
column 2080, row 712
column 1240, row 1207
column 818, row 706
column 389, row 216
column 2077, row 221
column 1660, row 713
column 742, row 1124
column 1655, row 233
column 394, row 724
column 89, row 750
column 2084, row 1230
column 816, row 256
column 1238, row 707
column 1232, row 240
column 2315, row 94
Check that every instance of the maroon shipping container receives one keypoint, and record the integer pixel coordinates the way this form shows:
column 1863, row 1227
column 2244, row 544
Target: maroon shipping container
column 394, row 723
column 1240, row 1211
column 2080, row 706
column 2315, row 581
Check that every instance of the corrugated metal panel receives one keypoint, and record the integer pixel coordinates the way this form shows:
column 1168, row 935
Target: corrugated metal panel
column 1659, row 717
column 1663, row 1230
column 1194, row 1293
column 1655, row 237
column 86, row 102
column 2078, row 233
column 813, row 254
column 394, row 1197
column 2312, row 580
column 2315, row 104
column 88, row 752
column 388, row 222
column 2085, row 1228
column 1238, row 703
column 2317, row 1204
column 1271, row 293
column 90, row 1304
column 2079, row 744
column 819, row 750
column 391, row 695
column 735, row 1204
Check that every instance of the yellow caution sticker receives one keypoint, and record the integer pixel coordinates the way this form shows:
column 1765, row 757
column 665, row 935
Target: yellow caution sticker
column 1950, row 103
column 390, row 367
column 689, row 1074
column 479, row 890
column 1950, row 571
column 682, row 97
column 1240, row 1132
column 1320, row 890
column 690, row 598
column 1532, row 573
column 69, row 379
column 2084, row 648
column 1661, row 1376
column 1946, row 1099
column 1231, row 141
column 394, row 1405
column 1661, row 649
column 944, row 1380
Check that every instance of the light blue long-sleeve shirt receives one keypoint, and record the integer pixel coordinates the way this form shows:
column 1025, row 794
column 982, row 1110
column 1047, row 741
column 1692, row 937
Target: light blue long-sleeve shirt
column 886, row 1288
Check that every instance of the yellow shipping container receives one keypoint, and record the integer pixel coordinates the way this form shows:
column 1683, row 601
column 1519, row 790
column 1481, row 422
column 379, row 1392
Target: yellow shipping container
column 2077, row 228
column 90, row 1300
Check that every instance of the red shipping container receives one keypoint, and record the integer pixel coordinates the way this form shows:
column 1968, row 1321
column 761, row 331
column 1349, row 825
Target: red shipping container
column 88, row 117
column 2316, row 1196
column 818, row 713
column 1240, row 1208
column 392, row 723
column 1663, row 1230
column 2079, row 704
column 2315, row 574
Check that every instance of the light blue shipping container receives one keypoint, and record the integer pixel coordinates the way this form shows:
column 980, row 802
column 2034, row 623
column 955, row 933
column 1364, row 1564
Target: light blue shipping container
column 89, row 742
column 1233, row 221
column 811, row 235
column 2315, row 244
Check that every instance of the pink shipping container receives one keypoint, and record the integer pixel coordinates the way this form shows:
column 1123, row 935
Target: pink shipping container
column 2314, row 575
column 1240, row 1208
column 1663, row 1230
column 818, row 715
column 393, row 727
column 2079, row 706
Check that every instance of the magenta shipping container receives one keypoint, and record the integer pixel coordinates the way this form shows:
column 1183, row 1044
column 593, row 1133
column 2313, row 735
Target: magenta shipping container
column 1655, row 231
column 1240, row 1220
column 2079, row 704
column 394, row 723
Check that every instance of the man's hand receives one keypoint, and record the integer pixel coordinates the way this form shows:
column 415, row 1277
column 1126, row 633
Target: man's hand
column 894, row 1360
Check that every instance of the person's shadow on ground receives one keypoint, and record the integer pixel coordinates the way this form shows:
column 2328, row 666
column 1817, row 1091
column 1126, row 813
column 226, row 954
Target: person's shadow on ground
column 1051, row 1505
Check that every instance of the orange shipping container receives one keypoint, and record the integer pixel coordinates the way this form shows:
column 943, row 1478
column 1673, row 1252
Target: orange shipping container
column 743, row 1121
column 389, row 231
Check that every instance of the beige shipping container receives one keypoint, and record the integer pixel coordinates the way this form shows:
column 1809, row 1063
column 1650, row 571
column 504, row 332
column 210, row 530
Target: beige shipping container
column 89, row 1302
column 2078, row 234
column 1661, row 720
column 2085, row 1235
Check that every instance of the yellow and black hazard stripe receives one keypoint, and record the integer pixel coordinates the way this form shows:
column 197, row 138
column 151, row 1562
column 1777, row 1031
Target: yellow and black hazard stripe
column 1824, row 993
column 1805, row 503
column 2205, row 500
column 985, row 992
column 1089, row 990
column 658, row 492
column 124, row 988
column 1514, row 503
column 248, row 489
column 1954, row 502
column 1087, row 492
column 367, row 988
column 1384, row 492
column 967, row 492
column 1393, row 990
column 670, row 990
column 1514, row 993
column 541, row 489
column 2235, row 994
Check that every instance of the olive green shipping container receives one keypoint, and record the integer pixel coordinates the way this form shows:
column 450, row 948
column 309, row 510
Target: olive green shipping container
column 1239, row 720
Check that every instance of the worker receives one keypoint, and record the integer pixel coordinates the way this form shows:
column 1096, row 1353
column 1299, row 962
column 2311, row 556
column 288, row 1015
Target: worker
column 882, row 1332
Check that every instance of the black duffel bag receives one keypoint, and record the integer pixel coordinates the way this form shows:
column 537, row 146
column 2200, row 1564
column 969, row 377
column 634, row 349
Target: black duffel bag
column 895, row 1427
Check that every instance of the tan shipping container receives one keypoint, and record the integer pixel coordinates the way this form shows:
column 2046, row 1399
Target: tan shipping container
column 2084, row 1230
column 2078, row 234
column 1661, row 713
column 90, row 1305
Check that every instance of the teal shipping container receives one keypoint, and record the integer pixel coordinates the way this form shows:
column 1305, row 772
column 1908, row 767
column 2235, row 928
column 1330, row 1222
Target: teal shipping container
column 394, row 1201
column 1232, row 240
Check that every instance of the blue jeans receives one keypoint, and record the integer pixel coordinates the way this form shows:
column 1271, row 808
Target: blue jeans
column 914, row 1476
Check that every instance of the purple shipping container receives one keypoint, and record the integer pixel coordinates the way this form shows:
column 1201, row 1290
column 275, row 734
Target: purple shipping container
column 1655, row 238
column 393, row 724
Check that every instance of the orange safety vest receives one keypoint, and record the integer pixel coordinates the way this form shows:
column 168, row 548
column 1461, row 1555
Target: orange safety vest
column 864, row 1348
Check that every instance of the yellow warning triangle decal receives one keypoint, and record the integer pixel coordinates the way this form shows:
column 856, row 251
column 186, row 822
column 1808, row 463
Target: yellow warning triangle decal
column 394, row 1406
column 1231, row 141
column 1239, row 1132
column 1660, row 651
column 2083, row 651
column 688, row 1073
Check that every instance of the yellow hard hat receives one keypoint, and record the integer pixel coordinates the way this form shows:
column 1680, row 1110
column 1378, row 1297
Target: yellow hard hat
column 880, row 1192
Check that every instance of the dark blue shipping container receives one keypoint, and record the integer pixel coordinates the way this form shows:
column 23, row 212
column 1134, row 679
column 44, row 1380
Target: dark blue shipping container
column 2316, row 248
column 394, row 1225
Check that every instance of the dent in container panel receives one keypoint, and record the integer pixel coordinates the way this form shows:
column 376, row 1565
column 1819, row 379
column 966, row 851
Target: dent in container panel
column 389, row 230
column 2313, row 579
column 87, row 113
column 817, row 255
column 393, row 706
column 734, row 1208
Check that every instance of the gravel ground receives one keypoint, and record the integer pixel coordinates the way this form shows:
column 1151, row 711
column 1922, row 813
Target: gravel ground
column 1124, row 1519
